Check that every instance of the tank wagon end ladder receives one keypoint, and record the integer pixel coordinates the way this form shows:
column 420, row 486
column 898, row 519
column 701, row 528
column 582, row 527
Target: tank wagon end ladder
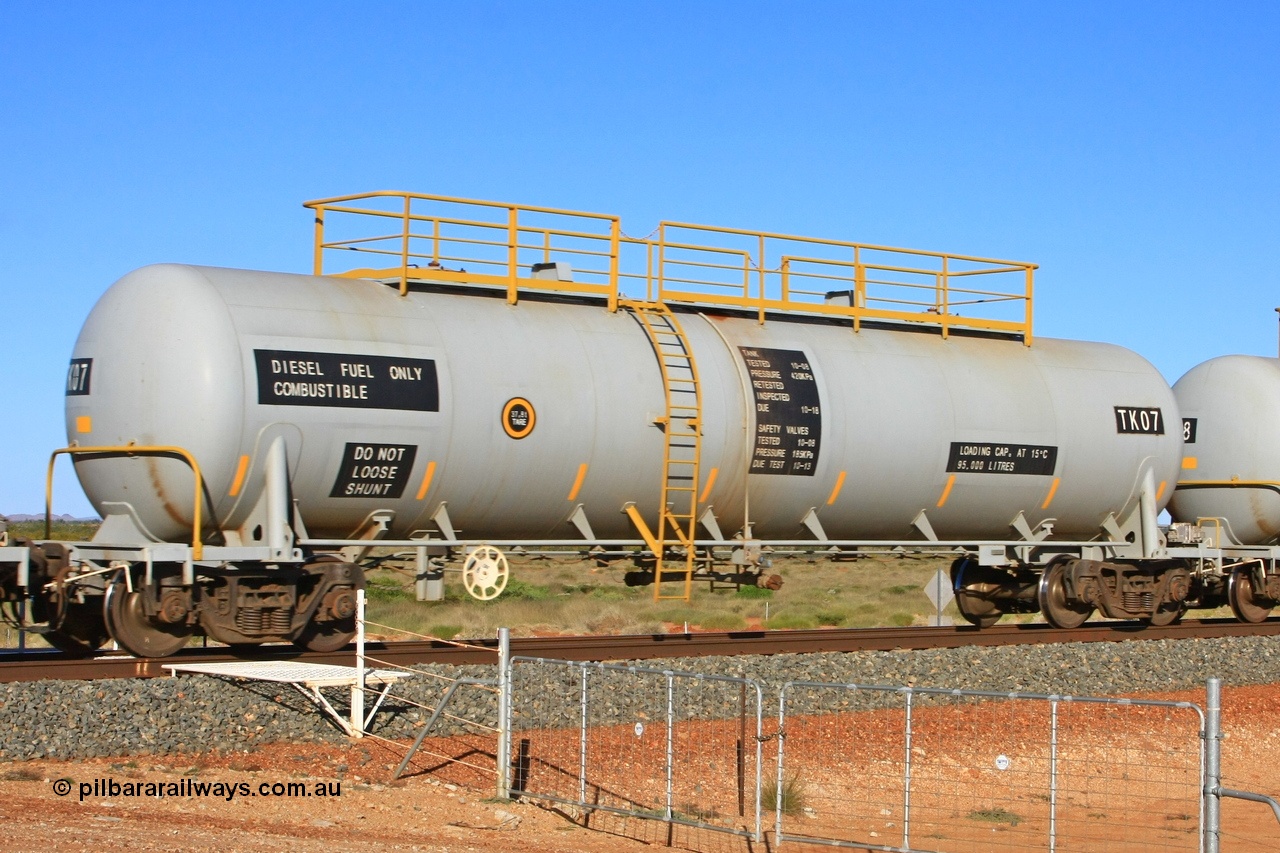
column 682, row 427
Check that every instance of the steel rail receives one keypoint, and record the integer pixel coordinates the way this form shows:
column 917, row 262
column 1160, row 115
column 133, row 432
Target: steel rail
column 38, row 665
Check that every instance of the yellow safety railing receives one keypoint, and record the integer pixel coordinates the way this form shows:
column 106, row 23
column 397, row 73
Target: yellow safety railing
column 429, row 238
column 197, row 547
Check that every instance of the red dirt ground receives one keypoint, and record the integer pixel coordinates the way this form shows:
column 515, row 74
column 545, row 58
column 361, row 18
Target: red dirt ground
column 447, row 807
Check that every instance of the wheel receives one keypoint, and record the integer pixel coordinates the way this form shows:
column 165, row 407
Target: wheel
column 1178, row 587
column 136, row 632
column 337, row 628
column 1245, row 603
column 967, row 582
column 485, row 573
column 1052, row 595
column 327, row 636
column 1167, row 614
column 75, row 628
column 82, row 631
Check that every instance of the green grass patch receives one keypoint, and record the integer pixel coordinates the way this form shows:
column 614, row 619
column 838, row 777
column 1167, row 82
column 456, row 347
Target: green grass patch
column 445, row 632
column 518, row 589
column 753, row 592
column 901, row 620
column 831, row 618
column 794, row 795
column 793, row 621
column 722, row 622
column 680, row 615
column 996, row 815
column 387, row 587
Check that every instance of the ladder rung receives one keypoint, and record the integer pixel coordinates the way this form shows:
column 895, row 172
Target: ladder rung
column 679, row 376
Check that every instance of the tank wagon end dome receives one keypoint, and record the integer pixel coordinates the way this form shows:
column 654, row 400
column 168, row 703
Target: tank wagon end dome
column 1231, row 461
column 162, row 366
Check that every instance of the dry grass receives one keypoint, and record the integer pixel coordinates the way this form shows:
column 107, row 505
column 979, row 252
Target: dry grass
column 564, row 595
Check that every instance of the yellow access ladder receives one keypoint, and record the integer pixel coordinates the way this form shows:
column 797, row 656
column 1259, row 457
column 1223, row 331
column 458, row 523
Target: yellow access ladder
column 682, row 426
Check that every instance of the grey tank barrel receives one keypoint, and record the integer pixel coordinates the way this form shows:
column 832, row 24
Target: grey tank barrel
column 545, row 418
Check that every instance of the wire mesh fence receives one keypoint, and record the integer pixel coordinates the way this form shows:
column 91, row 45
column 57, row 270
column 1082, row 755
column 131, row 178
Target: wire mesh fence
column 450, row 732
column 870, row 767
column 952, row 771
column 678, row 747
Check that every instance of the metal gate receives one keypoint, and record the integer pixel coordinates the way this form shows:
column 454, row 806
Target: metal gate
column 951, row 771
column 677, row 747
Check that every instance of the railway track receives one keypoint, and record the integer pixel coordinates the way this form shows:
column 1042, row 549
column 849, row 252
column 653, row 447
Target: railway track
column 37, row 665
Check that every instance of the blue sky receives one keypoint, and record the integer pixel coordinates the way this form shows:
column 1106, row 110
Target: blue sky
column 1130, row 149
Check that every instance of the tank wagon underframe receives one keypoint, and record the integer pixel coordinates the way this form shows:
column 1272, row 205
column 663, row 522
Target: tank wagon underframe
column 152, row 598
column 473, row 376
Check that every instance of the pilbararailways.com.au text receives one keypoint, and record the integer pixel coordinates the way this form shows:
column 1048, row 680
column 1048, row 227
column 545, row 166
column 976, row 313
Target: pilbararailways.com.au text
column 191, row 788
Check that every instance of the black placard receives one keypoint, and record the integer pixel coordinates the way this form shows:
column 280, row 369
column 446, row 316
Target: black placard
column 978, row 458
column 78, row 375
column 287, row 378
column 788, row 411
column 1189, row 430
column 1139, row 420
column 374, row 470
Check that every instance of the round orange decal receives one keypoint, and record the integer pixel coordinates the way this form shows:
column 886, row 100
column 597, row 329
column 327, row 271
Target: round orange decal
column 518, row 417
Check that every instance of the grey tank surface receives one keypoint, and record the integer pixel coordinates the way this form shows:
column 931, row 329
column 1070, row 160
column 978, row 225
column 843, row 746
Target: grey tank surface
column 1231, row 411
column 514, row 415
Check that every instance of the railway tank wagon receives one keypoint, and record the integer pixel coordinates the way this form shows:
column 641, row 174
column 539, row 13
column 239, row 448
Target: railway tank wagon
column 1229, row 488
column 764, row 391
column 367, row 392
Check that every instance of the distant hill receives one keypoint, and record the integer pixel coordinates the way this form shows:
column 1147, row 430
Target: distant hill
column 40, row 517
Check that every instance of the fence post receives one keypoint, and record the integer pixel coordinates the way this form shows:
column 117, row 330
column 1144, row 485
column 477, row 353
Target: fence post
column 671, row 724
column 504, row 713
column 357, row 689
column 906, row 776
column 1053, row 775
column 1212, row 765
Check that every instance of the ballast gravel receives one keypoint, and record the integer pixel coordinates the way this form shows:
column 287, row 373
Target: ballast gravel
column 70, row 720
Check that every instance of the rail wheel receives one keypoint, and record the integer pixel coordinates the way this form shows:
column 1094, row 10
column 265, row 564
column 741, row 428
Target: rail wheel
column 968, row 582
column 335, row 622
column 1052, row 595
column 485, row 573
column 327, row 636
column 1167, row 614
column 77, row 628
column 1172, row 609
column 81, row 631
column 1245, row 602
column 136, row 632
